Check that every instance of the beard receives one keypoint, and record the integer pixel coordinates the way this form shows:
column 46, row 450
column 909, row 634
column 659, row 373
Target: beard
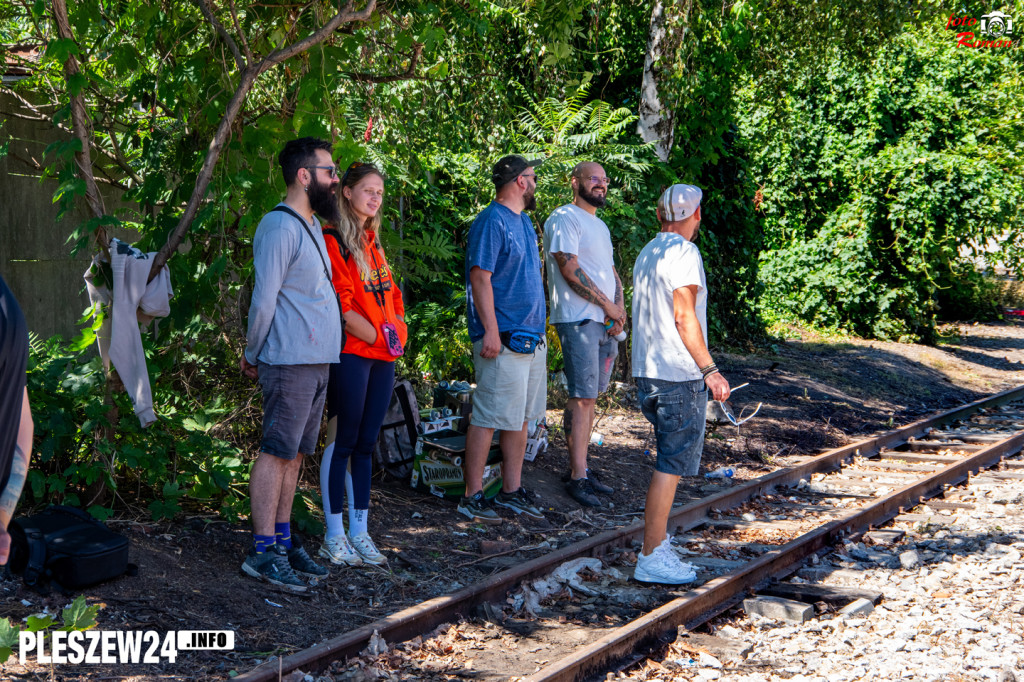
column 530, row 201
column 324, row 202
column 592, row 199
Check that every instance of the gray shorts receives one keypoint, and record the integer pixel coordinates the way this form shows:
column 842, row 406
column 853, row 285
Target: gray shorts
column 677, row 409
column 510, row 389
column 293, row 407
column 589, row 355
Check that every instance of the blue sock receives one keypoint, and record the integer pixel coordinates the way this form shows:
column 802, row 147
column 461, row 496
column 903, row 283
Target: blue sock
column 283, row 534
column 261, row 542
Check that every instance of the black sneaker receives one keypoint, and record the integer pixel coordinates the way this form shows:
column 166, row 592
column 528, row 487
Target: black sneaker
column 520, row 501
column 582, row 490
column 301, row 562
column 597, row 485
column 478, row 509
column 272, row 566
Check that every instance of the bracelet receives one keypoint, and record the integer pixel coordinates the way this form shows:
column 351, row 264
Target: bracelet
column 708, row 370
column 713, row 371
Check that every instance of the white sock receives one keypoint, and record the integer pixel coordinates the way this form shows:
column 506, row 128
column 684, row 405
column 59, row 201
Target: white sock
column 335, row 522
column 357, row 521
column 348, row 489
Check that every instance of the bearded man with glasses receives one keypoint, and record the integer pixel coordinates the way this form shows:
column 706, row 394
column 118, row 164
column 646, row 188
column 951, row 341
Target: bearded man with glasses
column 295, row 332
column 588, row 314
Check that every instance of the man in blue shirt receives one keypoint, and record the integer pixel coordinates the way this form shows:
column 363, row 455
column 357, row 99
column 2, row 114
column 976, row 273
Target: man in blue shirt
column 505, row 308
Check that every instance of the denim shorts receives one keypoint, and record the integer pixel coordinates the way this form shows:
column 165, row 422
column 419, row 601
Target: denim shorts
column 293, row 407
column 510, row 389
column 677, row 409
column 589, row 354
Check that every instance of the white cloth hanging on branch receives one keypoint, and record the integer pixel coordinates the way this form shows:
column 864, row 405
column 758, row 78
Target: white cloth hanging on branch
column 132, row 302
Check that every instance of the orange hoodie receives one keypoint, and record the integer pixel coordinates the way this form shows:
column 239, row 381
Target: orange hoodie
column 358, row 295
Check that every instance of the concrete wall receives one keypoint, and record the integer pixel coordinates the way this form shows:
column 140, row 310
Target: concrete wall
column 35, row 259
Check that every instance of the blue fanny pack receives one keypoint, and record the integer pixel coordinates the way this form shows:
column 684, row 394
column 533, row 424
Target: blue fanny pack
column 521, row 342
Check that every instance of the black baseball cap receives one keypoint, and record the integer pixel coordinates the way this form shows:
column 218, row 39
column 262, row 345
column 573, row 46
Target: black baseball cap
column 510, row 167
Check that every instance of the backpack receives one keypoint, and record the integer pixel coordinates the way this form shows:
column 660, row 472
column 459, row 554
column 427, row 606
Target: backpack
column 68, row 547
column 396, row 445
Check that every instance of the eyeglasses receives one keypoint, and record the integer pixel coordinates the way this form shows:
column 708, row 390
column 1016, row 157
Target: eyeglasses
column 594, row 180
column 733, row 419
column 332, row 171
column 524, row 175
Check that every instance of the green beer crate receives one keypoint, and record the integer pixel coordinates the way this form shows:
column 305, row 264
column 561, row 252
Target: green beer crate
column 438, row 466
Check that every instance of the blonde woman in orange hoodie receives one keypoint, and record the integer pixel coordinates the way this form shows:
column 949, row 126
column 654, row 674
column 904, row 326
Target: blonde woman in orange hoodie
column 361, row 382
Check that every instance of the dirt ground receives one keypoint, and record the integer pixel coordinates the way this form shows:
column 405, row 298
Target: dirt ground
column 817, row 393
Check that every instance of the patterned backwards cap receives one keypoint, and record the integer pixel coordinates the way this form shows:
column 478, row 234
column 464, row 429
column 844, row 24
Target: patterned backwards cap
column 679, row 202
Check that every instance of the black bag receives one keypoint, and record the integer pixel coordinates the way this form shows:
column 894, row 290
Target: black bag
column 396, row 445
column 68, row 547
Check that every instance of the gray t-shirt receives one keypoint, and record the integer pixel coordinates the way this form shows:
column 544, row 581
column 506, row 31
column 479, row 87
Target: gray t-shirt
column 667, row 263
column 570, row 229
column 294, row 317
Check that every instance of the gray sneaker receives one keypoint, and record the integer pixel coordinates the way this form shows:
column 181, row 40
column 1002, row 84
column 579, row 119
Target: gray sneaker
column 272, row 566
column 478, row 509
column 595, row 483
column 301, row 562
column 520, row 501
column 582, row 490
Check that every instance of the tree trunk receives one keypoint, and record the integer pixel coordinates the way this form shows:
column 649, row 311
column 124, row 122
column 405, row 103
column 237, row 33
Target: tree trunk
column 97, row 492
column 669, row 21
column 250, row 71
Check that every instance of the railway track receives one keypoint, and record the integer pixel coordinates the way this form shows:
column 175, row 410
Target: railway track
column 741, row 538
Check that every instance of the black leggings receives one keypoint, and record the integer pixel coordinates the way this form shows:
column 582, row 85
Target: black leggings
column 358, row 394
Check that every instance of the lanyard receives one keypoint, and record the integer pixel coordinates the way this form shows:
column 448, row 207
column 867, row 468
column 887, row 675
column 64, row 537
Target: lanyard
column 378, row 289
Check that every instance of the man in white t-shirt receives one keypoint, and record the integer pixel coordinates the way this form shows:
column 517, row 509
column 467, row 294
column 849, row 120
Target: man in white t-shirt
column 673, row 367
column 587, row 312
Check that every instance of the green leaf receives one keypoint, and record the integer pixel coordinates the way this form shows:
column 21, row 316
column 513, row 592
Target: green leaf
column 99, row 512
column 78, row 615
column 8, row 638
column 76, row 83
column 60, row 49
column 39, row 622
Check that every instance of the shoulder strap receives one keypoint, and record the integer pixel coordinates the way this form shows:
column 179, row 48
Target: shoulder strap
column 402, row 392
column 305, row 226
column 327, row 272
column 35, row 570
column 336, row 236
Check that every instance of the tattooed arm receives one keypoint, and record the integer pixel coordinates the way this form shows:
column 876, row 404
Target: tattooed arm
column 617, row 325
column 580, row 282
column 19, row 472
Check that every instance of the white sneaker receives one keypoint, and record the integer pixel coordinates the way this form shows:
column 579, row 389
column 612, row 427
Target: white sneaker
column 367, row 550
column 338, row 551
column 663, row 566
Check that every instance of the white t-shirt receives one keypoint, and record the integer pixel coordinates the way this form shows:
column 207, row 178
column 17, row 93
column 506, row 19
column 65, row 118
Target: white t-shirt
column 667, row 263
column 570, row 229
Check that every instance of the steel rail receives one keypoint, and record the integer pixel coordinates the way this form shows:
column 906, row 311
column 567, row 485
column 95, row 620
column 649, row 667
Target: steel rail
column 698, row 605
column 421, row 618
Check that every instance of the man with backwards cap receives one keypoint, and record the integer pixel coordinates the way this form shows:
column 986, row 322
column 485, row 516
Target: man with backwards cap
column 673, row 367
column 506, row 314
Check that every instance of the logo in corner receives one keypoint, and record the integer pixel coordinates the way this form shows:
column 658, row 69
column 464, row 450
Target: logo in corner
column 995, row 29
column 996, row 24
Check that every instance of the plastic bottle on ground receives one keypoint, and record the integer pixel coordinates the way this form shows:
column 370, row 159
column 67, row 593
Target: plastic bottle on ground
column 721, row 472
column 596, row 438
